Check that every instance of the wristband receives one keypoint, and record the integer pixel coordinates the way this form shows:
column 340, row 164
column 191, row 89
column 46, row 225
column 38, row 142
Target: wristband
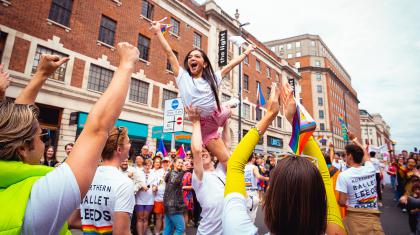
column 258, row 130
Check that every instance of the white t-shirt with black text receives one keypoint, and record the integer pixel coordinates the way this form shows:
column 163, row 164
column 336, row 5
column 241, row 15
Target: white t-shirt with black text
column 111, row 191
column 359, row 183
column 251, row 182
column 146, row 197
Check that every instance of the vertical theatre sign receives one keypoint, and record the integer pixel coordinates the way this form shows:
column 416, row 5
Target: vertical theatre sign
column 223, row 48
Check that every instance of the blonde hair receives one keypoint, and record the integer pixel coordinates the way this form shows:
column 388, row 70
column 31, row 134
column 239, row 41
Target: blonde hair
column 111, row 143
column 18, row 126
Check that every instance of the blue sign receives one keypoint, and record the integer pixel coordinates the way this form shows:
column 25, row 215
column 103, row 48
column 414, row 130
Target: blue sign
column 275, row 142
column 175, row 104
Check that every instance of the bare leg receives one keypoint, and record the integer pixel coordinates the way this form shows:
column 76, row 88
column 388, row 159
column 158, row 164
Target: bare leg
column 139, row 223
column 186, row 219
column 145, row 221
column 218, row 149
column 159, row 222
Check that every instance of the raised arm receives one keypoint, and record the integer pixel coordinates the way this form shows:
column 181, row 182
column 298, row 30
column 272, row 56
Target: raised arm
column 226, row 69
column 4, row 82
column 86, row 153
column 331, row 154
column 47, row 66
column 156, row 26
column 235, row 179
column 196, row 141
column 353, row 138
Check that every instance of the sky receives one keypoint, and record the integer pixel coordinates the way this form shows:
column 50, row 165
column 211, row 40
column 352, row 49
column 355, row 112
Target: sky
column 377, row 42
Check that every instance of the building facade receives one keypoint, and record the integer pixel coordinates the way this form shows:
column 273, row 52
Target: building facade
column 375, row 131
column 327, row 92
column 87, row 33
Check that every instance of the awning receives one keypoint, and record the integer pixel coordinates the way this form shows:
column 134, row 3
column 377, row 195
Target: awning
column 180, row 137
column 135, row 130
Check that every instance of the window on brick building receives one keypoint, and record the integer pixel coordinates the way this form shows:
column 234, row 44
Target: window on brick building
column 175, row 26
column 279, row 122
column 246, row 82
column 318, row 76
column 320, row 101
column 319, row 88
column 139, row 91
column 60, row 73
column 317, row 63
column 246, row 111
column 258, row 114
column 107, row 30
column 268, row 92
column 268, row 72
column 322, row 126
column 167, row 95
column 99, row 78
column 60, row 11
column 321, row 114
column 3, row 37
column 258, row 65
column 197, row 40
column 147, row 9
column 143, row 45
column 168, row 65
column 246, row 60
column 225, row 97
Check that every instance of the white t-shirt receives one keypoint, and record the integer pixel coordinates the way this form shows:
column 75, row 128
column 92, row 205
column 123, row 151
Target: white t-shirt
column 376, row 163
column 235, row 219
column 251, row 182
column 160, row 183
column 146, row 197
column 340, row 165
column 197, row 91
column 359, row 183
column 53, row 198
column 127, row 171
column 110, row 191
column 210, row 194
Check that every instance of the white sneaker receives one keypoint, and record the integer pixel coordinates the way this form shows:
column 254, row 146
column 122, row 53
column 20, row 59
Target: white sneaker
column 232, row 103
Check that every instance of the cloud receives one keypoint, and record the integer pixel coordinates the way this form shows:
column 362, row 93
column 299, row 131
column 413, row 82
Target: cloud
column 377, row 42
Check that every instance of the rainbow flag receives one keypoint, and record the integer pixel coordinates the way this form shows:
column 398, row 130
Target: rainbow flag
column 181, row 152
column 343, row 127
column 161, row 147
column 303, row 127
column 92, row 229
column 165, row 28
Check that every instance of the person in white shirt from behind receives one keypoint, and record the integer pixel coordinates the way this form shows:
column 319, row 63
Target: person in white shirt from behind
column 208, row 182
column 145, row 186
column 252, row 175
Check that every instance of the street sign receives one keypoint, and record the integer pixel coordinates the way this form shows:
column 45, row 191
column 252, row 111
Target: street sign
column 223, row 48
column 173, row 119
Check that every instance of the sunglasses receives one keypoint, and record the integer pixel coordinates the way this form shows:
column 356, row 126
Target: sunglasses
column 118, row 136
column 310, row 158
column 45, row 135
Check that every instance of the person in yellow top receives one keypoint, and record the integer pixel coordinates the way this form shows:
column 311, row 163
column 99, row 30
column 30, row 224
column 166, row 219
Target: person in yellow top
column 300, row 198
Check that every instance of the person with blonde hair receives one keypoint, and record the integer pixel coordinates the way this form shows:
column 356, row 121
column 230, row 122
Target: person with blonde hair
column 37, row 199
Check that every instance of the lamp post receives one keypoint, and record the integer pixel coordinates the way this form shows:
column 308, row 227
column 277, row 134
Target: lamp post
column 345, row 112
column 240, row 79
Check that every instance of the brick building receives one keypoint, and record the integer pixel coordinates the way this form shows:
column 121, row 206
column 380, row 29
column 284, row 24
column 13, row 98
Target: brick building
column 87, row 32
column 326, row 86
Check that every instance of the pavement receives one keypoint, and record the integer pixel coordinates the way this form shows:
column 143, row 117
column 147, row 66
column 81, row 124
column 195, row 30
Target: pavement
column 394, row 221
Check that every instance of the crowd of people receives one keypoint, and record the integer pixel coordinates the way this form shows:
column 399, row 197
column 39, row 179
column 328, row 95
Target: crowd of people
column 97, row 189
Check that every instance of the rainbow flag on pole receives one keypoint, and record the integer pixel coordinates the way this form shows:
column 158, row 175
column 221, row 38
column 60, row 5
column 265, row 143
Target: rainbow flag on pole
column 260, row 96
column 181, row 152
column 303, row 127
column 165, row 28
column 343, row 127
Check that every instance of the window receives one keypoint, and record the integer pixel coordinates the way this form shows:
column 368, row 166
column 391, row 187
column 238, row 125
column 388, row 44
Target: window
column 281, row 47
column 321, row 114
column 246, row 82
column 3, row 38
column 298, row 54
column 279, row 122
column 197, row 40
column 168, row 65
column 297, row 44
column 317, row 63
column 319, row 88
column 267, row 71
column 289, row 56
column 225, row 97
column 175, row 26
column 318, row 76
column 322, row 126
column 258, row 114
column 258, row 65
column 99, row 78
column 139, row 91
column 312, row 43
column 313, row 52
column 143, row 45
column 147, row 9
column 297, row 65
column 60, row 11
column 268, row 92
column 246, row 110
column 320, row 101
column 246, row 60
column 167, row 95
column 107, row 30
column 289, row 46
column 60, row 73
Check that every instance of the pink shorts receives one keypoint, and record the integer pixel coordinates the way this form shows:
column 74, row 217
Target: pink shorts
column 211, row 124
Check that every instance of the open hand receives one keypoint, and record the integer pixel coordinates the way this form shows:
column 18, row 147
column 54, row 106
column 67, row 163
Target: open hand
column 351, row 135
column 193, row 113
column 49, row 63
column 273, row 106
column 128, row 53
column 250, row 49
column 288, row 101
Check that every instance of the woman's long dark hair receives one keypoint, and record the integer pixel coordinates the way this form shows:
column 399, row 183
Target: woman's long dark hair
column 208, row 74
column 296, row 201
column 54, row 157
